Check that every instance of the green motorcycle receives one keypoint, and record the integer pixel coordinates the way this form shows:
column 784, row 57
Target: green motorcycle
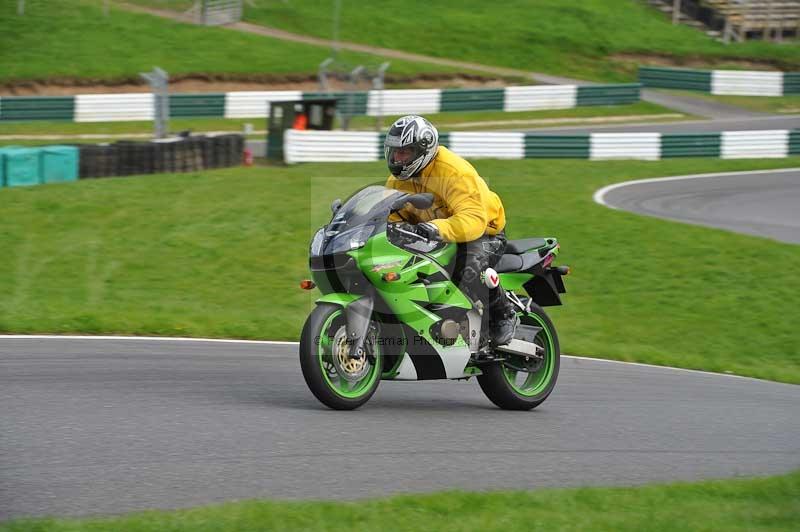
column 389, row 310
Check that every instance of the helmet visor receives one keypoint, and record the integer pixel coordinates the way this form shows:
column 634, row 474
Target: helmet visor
column 402, row 156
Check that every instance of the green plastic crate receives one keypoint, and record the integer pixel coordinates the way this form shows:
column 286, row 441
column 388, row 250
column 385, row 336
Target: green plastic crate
column 22, row 166
column 59, row 164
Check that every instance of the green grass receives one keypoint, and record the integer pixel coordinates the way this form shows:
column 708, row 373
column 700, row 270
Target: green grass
column 220, row 254
column 767, row 104
column 115, row 128
column 569, row 38
column 444, row 121
column 73, row 39
column 731, row 505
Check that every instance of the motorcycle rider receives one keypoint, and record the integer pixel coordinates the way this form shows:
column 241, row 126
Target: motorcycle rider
column 464, row 211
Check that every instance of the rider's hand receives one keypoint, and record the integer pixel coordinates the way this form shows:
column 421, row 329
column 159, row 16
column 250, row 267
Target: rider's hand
column 428, row 230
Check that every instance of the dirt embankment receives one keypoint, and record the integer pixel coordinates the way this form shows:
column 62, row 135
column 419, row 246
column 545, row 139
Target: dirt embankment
column 703, row 62
column 200, row 83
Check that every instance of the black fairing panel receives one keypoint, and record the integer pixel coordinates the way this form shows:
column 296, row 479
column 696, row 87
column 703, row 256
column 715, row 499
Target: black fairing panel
column 544, row 289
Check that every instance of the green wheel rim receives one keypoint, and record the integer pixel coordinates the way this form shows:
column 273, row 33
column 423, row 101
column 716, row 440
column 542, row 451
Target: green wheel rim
column 535, row 383
column 338, row 384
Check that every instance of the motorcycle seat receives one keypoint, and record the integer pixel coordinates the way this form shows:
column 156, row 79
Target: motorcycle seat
column 512, row 262
column 525, row 244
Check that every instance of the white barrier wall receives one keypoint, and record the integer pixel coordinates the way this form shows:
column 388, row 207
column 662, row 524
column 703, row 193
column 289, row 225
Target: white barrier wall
column 331, row 146
column 755, row 144
column 747, row 83
column 494, row 145
column 255, row 104
column 645, row 146
column 114, row 107
column 403, row 102
column 540, row 97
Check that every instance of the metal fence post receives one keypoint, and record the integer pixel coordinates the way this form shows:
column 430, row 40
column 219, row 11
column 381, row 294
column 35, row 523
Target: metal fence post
column 159, row 83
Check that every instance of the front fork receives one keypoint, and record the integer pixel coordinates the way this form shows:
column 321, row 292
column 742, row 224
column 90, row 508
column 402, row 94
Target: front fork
column 358, row 315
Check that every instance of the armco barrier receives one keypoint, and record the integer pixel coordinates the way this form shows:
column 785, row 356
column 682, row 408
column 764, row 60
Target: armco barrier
column 309, row 146
column 723, row 82
column 255, row 104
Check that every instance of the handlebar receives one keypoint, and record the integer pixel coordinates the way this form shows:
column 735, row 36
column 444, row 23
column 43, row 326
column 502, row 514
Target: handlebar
column 409, row 233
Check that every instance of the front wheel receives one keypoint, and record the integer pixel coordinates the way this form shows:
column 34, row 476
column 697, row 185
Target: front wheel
column 514, row 389
column 338, row 381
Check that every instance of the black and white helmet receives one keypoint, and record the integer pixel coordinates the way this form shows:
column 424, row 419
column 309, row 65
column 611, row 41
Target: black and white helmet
column 413, row 132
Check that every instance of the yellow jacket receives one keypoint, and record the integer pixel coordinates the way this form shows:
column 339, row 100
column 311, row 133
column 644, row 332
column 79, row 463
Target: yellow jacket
column 464, row 209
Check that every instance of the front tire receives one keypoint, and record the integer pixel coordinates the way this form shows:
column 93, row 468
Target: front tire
column 516, row 390
column 335, row 380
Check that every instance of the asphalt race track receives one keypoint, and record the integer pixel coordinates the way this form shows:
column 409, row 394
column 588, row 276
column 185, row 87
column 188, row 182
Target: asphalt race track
column 765, row 203
column 107, row 426
column 104, row 426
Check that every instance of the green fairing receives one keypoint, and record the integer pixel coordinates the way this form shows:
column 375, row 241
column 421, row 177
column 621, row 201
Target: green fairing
column 514, row 281
column 406, row 297
column 338, row 298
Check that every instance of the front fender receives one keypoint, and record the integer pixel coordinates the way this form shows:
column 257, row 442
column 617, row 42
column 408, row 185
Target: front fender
column 341, row 299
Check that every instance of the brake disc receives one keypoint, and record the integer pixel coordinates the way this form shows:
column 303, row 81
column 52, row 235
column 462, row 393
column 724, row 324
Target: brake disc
column 352, row 369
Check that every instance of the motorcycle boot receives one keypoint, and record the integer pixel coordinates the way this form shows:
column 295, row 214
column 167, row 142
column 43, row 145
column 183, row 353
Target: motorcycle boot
column 504, row 318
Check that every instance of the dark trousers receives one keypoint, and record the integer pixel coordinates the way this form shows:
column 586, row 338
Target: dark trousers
column 472, row 258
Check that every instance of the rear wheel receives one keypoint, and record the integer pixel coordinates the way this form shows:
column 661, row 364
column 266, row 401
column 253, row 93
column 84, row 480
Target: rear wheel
column 522, row 383
column 335, row 379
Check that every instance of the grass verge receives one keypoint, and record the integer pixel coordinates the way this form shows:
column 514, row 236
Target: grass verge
column 220, row 253
column 74, row 39
column 580, row 39
column 731, row 505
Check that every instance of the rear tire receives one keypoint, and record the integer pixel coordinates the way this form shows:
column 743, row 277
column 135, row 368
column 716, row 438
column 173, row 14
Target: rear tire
column 323, row 377
column 503, row 387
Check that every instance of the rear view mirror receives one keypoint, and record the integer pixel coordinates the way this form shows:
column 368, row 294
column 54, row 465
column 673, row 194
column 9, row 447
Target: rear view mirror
column 336, row 205
column 419, row 201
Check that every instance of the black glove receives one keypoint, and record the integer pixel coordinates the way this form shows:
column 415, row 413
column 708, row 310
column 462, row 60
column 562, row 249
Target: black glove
column 428, row 230
column 425, row 230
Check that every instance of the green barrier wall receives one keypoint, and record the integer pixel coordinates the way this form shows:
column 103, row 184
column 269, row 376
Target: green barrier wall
column 608, row 94
column 37, row 108
column 791, row 83
column 675, row 78
column 691, row 145
column 557, row 146
column 472, row 100
column 794, row 142
column 197, row 105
